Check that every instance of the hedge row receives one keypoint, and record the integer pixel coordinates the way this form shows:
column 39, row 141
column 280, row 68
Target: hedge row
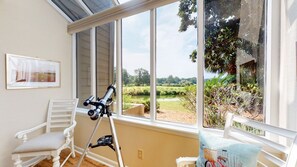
column 161, row 90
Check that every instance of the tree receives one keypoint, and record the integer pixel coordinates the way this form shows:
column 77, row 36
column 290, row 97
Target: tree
column 221, row 32
column 126, row 77
column 142, row 77
column 222, row 22
column 170, row 80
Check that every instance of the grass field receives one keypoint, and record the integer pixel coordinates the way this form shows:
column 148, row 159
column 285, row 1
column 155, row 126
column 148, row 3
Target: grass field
column 167, row 96
column 172, row 105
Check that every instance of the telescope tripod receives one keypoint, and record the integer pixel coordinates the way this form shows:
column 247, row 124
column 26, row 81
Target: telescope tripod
column 108, row 140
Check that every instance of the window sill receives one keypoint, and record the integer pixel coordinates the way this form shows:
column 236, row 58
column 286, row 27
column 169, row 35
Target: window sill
column 158, row 126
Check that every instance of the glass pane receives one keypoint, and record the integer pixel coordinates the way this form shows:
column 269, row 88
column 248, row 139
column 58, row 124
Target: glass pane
column 71, row 9
column 235, row 50
column 97, row 6
column 136, row 65
column 176, row 73
column 83, row 67
column 104, row 58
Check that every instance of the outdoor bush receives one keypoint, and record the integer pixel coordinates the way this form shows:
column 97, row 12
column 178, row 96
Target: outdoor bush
column 147, row 106
column 161, row 90
column 189, row 99
column 127, row 99
column 221, row 94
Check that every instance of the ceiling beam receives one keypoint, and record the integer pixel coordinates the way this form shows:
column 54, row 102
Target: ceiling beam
column 118, row 12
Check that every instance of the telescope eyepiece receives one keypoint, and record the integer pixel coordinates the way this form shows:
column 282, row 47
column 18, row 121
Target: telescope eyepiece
column 88, row 101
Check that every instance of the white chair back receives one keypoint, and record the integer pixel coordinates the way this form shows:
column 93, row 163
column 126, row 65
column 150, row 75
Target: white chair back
column 61, row 114
column 272, row 153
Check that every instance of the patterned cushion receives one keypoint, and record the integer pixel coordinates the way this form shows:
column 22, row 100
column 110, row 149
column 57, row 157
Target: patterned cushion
column 216, row 151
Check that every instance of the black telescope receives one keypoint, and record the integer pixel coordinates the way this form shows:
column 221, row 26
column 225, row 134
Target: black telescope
column 100, row 104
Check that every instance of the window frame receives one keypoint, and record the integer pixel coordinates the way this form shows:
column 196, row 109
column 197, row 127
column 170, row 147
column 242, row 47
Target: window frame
column 271, row 74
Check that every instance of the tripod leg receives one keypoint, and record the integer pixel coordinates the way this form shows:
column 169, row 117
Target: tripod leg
column 116, row 143
column 90, row 139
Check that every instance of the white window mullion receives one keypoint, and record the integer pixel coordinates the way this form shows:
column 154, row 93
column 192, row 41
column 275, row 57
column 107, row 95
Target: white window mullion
column 200, row 63
column 272, row 63
column 153, row 64
column 116, row 2
column 84, row 7
column 93, row 60
column 119, row 66
column 74, row 65
column 112, row 49
column 60, row 11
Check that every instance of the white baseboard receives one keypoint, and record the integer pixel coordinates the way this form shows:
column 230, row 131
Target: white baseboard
column 98, row 158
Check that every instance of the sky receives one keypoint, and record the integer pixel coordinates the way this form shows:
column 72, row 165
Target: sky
column 173, row 47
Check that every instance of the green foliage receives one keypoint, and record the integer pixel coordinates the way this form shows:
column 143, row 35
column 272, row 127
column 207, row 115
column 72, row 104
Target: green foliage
column 222, row 22
column 175, row 81
column 221, row 44
column 218, row 99
column 128, row 101
column 161, row 91
column 136, row 90
column 142, row 77
column 222, row 95
column 127, row 78
column 147, row 105
column 187, row 10
column 189, row 100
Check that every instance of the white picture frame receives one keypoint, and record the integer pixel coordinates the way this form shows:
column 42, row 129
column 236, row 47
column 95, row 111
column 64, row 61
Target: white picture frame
column 24, row 72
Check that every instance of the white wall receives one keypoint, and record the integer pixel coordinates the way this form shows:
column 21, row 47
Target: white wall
column 288, row 60
column 30, row 28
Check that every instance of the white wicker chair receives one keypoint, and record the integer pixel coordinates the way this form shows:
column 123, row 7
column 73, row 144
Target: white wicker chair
column 58, row 136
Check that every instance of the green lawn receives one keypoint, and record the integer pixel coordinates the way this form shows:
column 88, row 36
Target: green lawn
column 167, row 96
column 172, row 105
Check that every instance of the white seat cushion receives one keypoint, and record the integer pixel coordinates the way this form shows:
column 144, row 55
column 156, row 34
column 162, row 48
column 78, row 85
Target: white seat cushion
column 44, row 142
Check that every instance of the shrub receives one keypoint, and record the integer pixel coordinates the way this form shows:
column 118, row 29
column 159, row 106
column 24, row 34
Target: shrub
column 161, row 90
column 147, row 106
column 222, row 95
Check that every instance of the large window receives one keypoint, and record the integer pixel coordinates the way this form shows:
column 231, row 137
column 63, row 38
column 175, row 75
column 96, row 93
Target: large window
column 160, row 68
column 235, row 45
column 136, row 65
column 176, row 73
column 104, row 57
column 95, row 61
column 83, row 67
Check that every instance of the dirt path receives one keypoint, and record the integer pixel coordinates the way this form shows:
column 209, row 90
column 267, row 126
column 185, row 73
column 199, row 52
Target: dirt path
column 176, row 116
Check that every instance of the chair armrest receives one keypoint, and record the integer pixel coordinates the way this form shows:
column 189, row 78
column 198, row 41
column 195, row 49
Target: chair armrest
column 23, row 134
column 184, row 161
column 70, row 128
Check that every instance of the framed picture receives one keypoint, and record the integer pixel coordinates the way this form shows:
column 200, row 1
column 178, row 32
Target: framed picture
column 28, row 72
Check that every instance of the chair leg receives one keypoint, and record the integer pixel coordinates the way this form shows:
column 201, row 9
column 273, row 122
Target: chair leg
column 72, row 148
column 48, row 157
column 17, row 161
column 56, row 159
